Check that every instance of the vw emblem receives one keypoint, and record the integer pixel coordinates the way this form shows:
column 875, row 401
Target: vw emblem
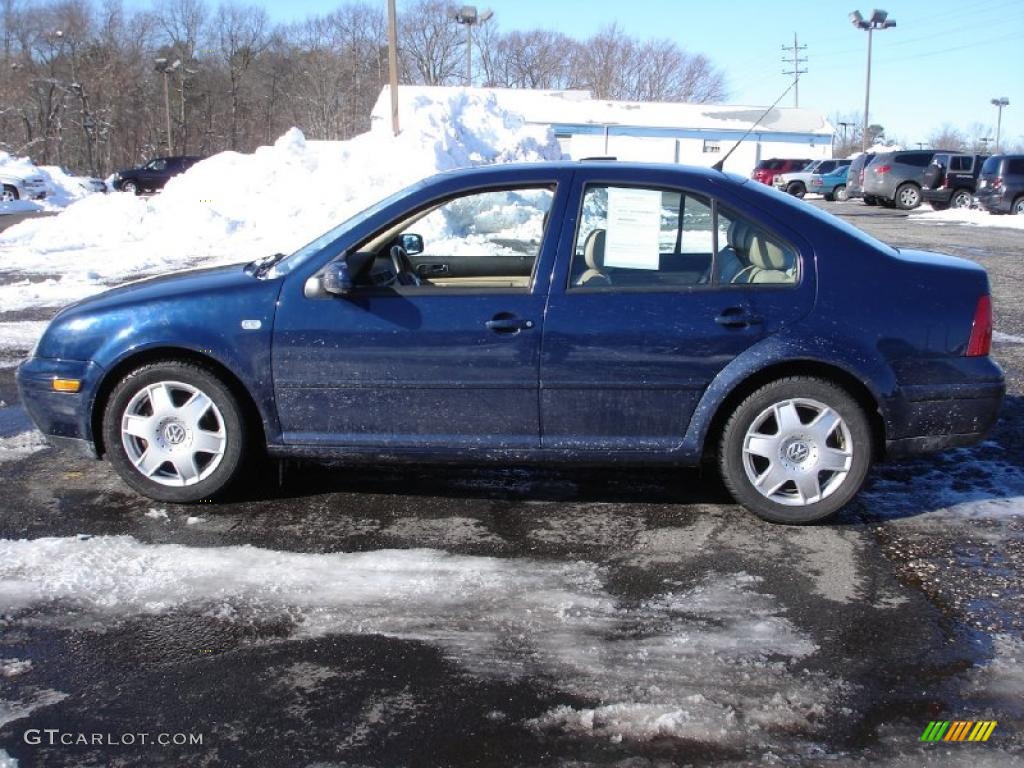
column 797, row 452
column 174, row 433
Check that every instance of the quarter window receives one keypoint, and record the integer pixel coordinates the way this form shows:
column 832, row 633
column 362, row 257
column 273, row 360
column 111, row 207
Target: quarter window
column 640, row 238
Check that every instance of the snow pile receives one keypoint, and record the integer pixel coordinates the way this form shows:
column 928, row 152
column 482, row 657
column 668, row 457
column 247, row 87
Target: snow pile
column 712, row 660
column 234, row 207
column 63, row 188
column 969, row 216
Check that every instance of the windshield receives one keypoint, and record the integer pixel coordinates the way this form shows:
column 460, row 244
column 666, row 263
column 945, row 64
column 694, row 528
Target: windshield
column 314, row 247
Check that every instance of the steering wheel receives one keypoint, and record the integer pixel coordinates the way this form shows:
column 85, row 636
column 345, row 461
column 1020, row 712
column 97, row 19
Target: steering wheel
column 405, row 274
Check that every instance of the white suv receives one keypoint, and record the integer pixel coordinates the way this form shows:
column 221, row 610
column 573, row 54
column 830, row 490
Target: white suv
column 17, row 186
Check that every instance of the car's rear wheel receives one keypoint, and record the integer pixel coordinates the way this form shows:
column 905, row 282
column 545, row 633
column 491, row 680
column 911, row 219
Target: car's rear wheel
column 8, row 194
column 796, row 189
column 870, row 200
column 908, row 196
column 960, row 199
column 130, row 187
column 839, row 193
column 174, row 432
column 796, row 450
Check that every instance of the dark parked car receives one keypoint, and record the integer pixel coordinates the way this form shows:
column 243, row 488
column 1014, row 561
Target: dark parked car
column 591, row 312
column 766, row 170
column 855, row 178
column 951, row 179
column 895, row 178
column 1001, row 184
column 153, row 175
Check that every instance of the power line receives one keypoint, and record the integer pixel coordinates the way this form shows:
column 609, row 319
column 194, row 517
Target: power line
column 795, row 61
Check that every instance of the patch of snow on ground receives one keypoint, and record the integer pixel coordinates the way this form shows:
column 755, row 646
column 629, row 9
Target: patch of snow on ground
column 714, row 659
column 14, row 667
column 998, row 337
column 968, row 216
column 234, row 207
column 6, row 761
column 20, row 445
column 21, row 336
column 157, row 514
column 24, row 706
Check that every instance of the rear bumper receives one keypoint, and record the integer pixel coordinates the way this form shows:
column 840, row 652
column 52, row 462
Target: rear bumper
column 993, row 202
column 63, row 417
column 929, row 417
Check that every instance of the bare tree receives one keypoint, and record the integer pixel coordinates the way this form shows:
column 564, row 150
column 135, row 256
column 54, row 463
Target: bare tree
column 241, row 34
column 947, row 137
column 433, row 45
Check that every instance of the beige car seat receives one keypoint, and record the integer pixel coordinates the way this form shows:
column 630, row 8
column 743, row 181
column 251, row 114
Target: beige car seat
column 593, row 256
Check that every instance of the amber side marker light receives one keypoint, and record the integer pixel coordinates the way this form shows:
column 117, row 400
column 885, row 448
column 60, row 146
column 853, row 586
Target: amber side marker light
column 67, row 385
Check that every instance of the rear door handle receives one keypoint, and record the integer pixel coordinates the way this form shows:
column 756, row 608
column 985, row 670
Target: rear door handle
column 737, row 317
column 507, row 323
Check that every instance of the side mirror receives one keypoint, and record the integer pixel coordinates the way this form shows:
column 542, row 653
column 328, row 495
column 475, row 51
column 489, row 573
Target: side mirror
column 336, row 278
column 412, row 244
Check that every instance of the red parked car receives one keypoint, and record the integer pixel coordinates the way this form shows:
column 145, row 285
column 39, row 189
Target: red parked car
column 766, row 170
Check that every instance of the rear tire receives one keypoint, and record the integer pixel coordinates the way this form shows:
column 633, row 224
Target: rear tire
column 796, row 450
column 130, row 187
column 961, row 199
column 839, row 193
column 907, row 197
column 174, row 432
column 8, row 194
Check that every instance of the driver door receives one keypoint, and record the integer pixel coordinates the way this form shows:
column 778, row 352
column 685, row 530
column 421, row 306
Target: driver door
column 452, row 363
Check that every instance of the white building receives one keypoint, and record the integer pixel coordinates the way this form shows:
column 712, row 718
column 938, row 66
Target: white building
column 693, row 134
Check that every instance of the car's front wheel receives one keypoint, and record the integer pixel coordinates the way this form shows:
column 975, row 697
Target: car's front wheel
column 8, row 194
column 796, row 450
column 1018, row 206
column 796, row 189
column 174, row 432
column 130, row 187
column 839, row 193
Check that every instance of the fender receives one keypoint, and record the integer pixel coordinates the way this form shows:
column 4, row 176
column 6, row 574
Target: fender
column 790, row 346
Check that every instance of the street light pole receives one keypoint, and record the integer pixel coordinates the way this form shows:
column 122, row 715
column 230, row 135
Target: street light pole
column 468, row 15
column 166, row 69
column 999, row 104
column 879, row 20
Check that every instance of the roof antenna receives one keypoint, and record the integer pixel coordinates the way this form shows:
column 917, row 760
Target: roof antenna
column 719, row 165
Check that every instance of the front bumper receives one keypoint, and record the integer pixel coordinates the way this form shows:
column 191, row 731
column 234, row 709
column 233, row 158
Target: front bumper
column 63, row 417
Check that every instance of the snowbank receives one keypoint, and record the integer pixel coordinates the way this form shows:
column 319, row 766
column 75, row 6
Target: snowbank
column 235, row 207
column 969, row 216
column 64, row 188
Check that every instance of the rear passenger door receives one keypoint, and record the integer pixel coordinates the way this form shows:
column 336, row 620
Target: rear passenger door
column 657, row 288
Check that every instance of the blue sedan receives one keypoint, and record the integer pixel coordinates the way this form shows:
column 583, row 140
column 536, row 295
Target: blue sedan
column 831, row 185
column 594, row 312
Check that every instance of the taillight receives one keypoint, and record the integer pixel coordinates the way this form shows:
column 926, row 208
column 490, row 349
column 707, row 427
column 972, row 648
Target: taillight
column 860, row 176
column 997, row 182
column 981, row 329
column 883, row 169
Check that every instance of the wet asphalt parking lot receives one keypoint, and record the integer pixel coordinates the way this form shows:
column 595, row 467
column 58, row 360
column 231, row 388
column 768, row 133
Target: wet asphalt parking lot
column 435, row 616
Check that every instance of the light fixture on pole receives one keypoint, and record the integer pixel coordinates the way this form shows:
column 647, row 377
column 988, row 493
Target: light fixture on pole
column 163, row 67
column 879, row 20
column 999, row 104
column 469, row 16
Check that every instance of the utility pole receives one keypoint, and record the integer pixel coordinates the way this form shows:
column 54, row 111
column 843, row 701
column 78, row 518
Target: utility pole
column 393, row 63
column 795, row 60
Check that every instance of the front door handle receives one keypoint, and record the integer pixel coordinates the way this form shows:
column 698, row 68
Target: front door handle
column 507, row 323
column 737, row 317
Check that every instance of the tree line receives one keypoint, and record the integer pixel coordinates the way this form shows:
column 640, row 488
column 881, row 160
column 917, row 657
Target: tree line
column 94, row 86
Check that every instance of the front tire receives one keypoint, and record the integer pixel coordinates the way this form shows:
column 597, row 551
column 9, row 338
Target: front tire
column 1018, row 206
column 839, row 193
column 8, row 194
column 796, row 450
column 174, row 432
column 130, row 187
column 796, row 189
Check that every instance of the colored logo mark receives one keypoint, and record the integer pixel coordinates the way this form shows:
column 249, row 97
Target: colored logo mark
column 958, row 730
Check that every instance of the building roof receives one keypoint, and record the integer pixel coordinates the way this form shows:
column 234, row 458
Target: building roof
column 573, row 108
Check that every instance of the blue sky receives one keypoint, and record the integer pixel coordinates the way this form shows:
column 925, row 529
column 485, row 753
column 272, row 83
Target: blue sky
column 943, row 62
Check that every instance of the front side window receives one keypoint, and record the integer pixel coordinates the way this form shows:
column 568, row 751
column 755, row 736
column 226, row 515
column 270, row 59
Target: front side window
column 484, row 240
column 638, row 238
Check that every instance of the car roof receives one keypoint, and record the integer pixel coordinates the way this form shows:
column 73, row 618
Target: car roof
column 593, row 165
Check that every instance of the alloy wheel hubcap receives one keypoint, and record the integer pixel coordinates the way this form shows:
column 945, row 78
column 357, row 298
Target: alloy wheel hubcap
column 908, row 197
column 797, row 452
column 962, row 201
column 173, row 433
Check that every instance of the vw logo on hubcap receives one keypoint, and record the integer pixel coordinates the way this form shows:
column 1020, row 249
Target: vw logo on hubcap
column 797, row 452
column 174, row 433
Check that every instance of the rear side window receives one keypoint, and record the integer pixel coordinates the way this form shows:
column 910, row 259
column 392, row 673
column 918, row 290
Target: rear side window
column 1015, row 166
column 961, row 163
column 916, row 159
column 639, row 238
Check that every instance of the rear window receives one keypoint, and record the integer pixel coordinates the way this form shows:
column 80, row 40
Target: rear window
column 991, row 167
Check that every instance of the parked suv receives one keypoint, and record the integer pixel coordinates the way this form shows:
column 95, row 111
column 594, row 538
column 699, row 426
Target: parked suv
column 896, row 178
column 796, row 183
column 1001, row 184
column 766, row 170
column 855, row 178
column 153, row 175
column 950, row 180
column 16, row 184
